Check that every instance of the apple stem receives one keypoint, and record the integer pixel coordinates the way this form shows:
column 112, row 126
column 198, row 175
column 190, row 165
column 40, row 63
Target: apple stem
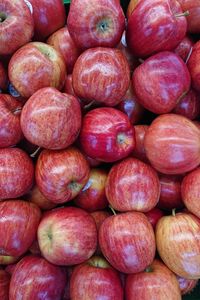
column 35, row 152
column 141, row 60
column 112, row 209
column 17, row 111
column 184, row 14
column 173, row 212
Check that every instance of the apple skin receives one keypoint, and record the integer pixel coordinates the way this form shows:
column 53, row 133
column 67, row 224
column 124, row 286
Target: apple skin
column 44, row 11
column 61, row 113
column 189, row 105
column 154, row 216
column 194, row 66
column 95, row 279
column 139, row 150
column 193, row 19
column 107, row 134
column 68, row 86
column 190, row 191
column 61, row 175
column 131, row 6
column 132, row 185
column 40, row 280
column 159, row 92
column 182, row 154
column 17, row 173
column 170, row 193
column 62, row 42
column 178, row 244
column 19, row 222
column 186, row 285
column 3, row 77
column 34, row 66
column 184, row 48
column 16, row 26
column 156, row 282
column 61, row 237
column 4, row 284
column 107, row 66
column 159, row 30
column 10, row 129
column 101, row 23
column 127, row 241
column 8, row 260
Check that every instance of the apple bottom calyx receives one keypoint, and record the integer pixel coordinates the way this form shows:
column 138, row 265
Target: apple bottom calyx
column 2, row 17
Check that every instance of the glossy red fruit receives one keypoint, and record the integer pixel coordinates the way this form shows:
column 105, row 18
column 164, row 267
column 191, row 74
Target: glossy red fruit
column 35, row 196
column 193, row 19
column 194, row 66
column 154, row 216
column 139, row 150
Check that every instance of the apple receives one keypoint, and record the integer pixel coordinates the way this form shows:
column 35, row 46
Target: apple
column 67, row 236
column 139, row 150
column 193, row 6
column 170, row 193
column 34, row 66
column 92, row 197
column 49, row 16
column 62, row 42
column 184, row 48
column 155, row 282
column 154, row 216
column 100, row 23
column 131, row 6
column 61, row 175
column 154, row 26
column 4, row 284
column 17, row 173
column 189, row 105
column 194, row 67
column 95, row 279
column 190, row 192
column 107, row 134
column 172, row 144
column 36, row 278
column 132, row 185
column 186, row 285
column 106, row 66
column 51, row 119
column 178, row 243
column 127, row 241
column 167, row 87
column 3, row 77
column 16, row 26
column 10, row 129
column 19, row 222
column 35, row 196
column 68, row 86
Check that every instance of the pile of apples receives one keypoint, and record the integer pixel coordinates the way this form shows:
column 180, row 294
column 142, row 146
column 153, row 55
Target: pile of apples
column 99, row 149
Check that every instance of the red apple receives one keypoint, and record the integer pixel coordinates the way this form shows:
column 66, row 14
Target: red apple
column 101, row 74
column 62, row 42
column 3, row 77
column 154, row 26
column 16, row 26
column 100, row 23
column 154, row 216
column 139, row 150
column 155, row 282
column 172, row 144
column 189, row 105
column 166, row 87
column 51, row 119
column 19, row 222
column 10, row 129
column 68, row 87
column 36, row 278
column 178, row 244
column 107, row 134
column 49, row 16
column 193, row 19
column 184, row 48
column 170, row 193
column 127, row 241
column 92, row 197
column 132, row 185
column 35, row 196
column 34, row 66
column 190, row 191
column 17, row 173
column 186, row 285
column 67, row 236
column 194, row 66
column 61, row 175
column 95, row 279
column 4, row 284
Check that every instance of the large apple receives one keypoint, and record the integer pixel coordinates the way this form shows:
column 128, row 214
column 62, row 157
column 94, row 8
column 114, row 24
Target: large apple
column 16, row 25
column 67, row 236
column 10, row 129
column 34, row 66
column 170, row 81
column 178, row 243
column 193, row 19
column 155, row 282
column 127, row 241
column 172, row 144
column 132, row 185
column 3, row 77
column 4, row 284
column 100, row 23
column 154, row 26
column 18, row 226
column 51, row 119
column 107, row 134
column 95, row 279
column 61, row 175
column 17, row 173
column 194, row 66
column 36, row 278
column 101, row 74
